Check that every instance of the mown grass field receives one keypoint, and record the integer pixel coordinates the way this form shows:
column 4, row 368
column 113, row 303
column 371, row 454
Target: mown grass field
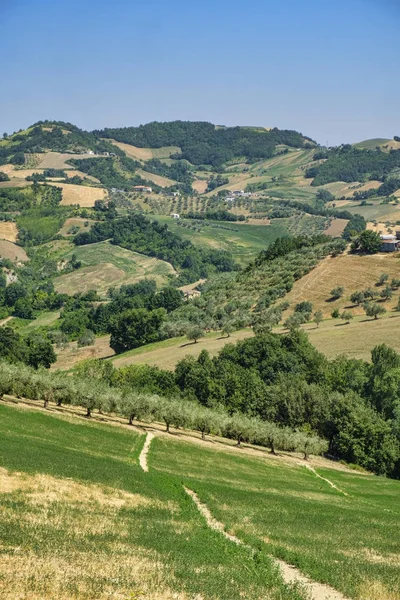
column 105, row 265
column 80, row 520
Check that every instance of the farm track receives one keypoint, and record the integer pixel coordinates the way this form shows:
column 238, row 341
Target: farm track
column 145, row 450
column 290, row 574
column 310, row 468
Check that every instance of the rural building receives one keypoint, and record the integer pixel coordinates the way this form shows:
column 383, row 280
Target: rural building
column 229, row 199
column 175, row 216
column 143, row 188
column 390, row 243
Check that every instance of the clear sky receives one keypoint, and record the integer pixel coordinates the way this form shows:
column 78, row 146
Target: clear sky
column 327, row 68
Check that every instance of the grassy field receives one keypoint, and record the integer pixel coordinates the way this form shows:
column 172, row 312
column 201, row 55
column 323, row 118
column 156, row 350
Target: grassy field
column 244, row 241
column 146, row 153
column 68, row 357
column 81, row 520
column 353, row 273
column 167, row 353
column 105, row 265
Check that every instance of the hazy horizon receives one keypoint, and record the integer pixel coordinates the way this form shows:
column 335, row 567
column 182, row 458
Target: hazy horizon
column 325, row 70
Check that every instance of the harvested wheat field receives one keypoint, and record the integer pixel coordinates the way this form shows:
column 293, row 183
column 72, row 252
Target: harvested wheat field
column 199, row 186
column 57, row 160
column 157, row 179
column 79, row 194
column 146, row 153
column 8, row 231
column 336, row 227
column 13, row 252
column 353, row 273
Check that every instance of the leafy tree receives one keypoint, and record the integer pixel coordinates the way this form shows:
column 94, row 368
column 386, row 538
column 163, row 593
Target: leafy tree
column 194, row 333
column 374, row 310
column 346, row 316
column 40, row 351
column 337, row 293
column 318, row 317
column 383, row 278
column 386, row 293
column 335, row 314
column 368, row 241
column 135, row 327
column 87, row 338
column 357, row 298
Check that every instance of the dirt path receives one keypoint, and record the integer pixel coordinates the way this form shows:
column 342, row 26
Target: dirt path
column 145, row 451
column 290, row 574
column 310, row 468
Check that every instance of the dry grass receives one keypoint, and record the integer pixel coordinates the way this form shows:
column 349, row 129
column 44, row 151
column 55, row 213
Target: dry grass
column 75, row 567
column 57, row 160
column 354, row 273
column 336, row 227
column 167, row 357
column 133, row 151
column 357, row 339
column 8, row 231
column 157, row 179
column 13, row 252
column 75, row 222
column 72, row 355
column 79, row 194
column 199, row 186
column 75, row 172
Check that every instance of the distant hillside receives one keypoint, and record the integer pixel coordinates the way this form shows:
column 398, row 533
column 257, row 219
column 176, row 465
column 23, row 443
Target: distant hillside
column 203, row 143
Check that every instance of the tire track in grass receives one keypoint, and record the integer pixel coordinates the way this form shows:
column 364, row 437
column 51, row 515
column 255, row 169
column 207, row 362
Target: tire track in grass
column 145, row 450
column 290, row 574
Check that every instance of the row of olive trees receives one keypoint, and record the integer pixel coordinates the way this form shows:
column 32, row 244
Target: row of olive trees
column 93, row 395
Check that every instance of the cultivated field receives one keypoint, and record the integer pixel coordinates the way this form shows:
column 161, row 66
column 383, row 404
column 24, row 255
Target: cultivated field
column 79, row 194
column 146, row 153
column 57, row 160
column 336, row 227
column 13, row 252
column 75, row 222
column 80, row 518
column 353, row 273
column 157, row 179
column 105, row 265
column 8, row 231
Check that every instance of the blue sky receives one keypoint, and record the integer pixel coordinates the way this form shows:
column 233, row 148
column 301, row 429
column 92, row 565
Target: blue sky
column 329, row 69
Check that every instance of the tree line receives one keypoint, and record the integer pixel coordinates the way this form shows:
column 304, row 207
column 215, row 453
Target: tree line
column 139, row 234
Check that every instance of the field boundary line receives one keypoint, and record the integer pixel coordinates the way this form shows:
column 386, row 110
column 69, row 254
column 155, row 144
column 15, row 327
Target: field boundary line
column 289, row 573
column 310, row 468
column 145, row 450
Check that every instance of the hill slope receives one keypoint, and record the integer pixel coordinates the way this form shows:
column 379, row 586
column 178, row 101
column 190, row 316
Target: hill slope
column 79, row 523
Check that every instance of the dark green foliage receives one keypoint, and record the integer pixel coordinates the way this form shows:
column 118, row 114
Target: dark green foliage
column 216, row 181
column 135, row 327
column 202, row 143
column 356, row 225
column 179, row 170
column 325, row 196
column 154, row 239
column 35, row 350
column 39, row 225
column 351, row 164
column 4, row 176
column 105, row 171
column 36, row 195
column 387, row 188
column 214, row 215
column 368, row 241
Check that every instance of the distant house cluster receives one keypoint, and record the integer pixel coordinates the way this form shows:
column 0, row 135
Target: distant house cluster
column 237, row 194
column 390, row 243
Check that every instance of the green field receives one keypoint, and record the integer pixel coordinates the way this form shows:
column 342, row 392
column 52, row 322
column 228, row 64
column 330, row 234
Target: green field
column 105, row 265
column 80, row 519
column 244, row 241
